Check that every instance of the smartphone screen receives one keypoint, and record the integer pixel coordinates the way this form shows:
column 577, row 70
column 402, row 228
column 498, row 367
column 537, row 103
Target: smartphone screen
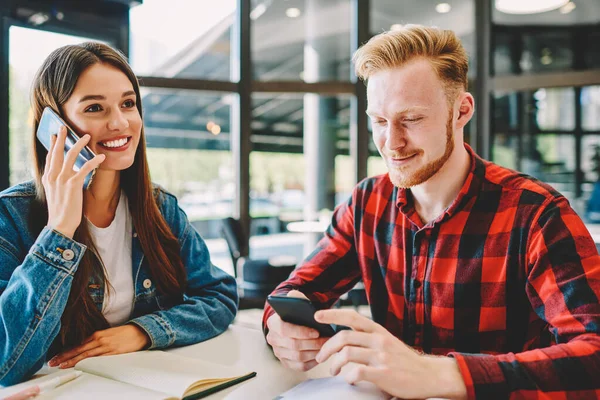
column 49, row 125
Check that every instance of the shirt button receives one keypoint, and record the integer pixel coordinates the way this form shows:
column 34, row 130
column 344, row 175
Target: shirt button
column 68, row 255
column 135, row 234
column 147, row 283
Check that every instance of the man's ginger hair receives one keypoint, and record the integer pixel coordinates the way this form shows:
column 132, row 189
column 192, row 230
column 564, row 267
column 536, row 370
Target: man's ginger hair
column 441, row 48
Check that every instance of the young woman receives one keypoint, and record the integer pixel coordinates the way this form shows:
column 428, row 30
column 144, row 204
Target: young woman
column 112, row 269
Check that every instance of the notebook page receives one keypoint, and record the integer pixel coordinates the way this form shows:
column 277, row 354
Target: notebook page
column 155, row 370
column 92, row 387
column 333, row 388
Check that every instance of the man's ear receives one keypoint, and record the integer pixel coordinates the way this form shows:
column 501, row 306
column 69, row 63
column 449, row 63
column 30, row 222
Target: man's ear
column 465, row 107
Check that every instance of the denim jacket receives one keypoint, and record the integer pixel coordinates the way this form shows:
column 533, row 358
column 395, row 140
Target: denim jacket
column 36, row 274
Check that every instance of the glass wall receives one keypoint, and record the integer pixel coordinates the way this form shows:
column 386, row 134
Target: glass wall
column 548, row 132
column 295, row 40
column 282, row 160
column 189, row 152
column 22, row 68
column 458, row 16
column 182, row 39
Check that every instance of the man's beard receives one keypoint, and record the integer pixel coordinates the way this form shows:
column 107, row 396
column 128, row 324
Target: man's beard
column 407, row 180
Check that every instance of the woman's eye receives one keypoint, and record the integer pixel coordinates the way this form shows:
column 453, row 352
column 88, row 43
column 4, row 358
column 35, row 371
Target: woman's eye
column 129, row 104
column 94, row 108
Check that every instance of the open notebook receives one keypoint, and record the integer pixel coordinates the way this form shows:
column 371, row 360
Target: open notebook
column 170, row 375
column 333, row 388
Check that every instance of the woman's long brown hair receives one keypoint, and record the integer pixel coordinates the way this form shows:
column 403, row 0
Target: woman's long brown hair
column 52, row 87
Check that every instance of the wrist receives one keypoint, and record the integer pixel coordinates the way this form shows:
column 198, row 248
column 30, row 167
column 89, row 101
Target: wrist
column 143, row 338
column 448, row 379
column 63, row 231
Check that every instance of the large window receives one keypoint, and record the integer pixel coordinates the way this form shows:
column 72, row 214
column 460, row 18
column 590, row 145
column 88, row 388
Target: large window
column 548, row 132
column 534, row 133
column 22, row 68
column 458, row 16
column 286, row 163
column 182, row 38
column 296, row 40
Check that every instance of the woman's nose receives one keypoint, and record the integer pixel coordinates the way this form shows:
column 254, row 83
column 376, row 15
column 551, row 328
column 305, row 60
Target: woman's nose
column 118, row 121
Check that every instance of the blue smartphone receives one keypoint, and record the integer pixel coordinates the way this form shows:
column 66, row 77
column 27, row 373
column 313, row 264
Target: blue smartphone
column 50, row 124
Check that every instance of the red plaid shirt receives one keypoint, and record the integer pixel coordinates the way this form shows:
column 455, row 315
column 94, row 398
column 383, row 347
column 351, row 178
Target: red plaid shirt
column 506, row 280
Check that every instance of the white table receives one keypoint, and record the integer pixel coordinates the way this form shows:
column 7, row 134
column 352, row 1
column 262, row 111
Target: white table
column 239, row 346
column 308, row 226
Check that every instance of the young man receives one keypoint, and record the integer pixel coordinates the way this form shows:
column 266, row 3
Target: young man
column 488, row 269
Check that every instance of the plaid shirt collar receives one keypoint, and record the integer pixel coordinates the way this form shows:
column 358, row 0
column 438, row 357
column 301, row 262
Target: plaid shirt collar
column 471, row 187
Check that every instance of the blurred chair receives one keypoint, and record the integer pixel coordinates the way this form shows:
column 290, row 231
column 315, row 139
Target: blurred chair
column 256, row 279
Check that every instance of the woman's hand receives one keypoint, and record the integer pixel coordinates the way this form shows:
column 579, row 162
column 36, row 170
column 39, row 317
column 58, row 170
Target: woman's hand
column 119, row 340
column 63, row 185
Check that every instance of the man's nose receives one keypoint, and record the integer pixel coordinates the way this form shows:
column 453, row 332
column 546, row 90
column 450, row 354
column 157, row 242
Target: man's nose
column 396, row 137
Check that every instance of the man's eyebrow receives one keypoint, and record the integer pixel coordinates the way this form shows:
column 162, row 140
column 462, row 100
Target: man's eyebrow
column 402, row 111
column 100, row 97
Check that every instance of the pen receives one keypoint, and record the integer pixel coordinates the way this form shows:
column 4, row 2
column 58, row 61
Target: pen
column 34, row 390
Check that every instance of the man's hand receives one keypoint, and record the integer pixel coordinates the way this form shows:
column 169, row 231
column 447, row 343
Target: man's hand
column 294, row 345
column 119, row 340
column 370, row 353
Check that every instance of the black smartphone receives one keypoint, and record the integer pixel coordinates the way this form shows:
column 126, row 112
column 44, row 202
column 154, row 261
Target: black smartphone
column 300, row 312
column 49, row 125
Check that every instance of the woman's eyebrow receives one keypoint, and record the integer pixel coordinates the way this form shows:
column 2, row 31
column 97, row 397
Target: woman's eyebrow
column 100, row 97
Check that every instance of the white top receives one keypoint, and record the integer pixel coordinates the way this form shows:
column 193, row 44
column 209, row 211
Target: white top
column 114, row 247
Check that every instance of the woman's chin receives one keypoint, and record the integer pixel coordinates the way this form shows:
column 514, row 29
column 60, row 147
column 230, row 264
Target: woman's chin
column 121, row 165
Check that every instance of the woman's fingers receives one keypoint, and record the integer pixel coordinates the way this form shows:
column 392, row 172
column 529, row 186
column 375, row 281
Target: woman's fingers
column 58, row 153
column 74, row 152
column 49, row 155
column 89, row 167
column 98, row 351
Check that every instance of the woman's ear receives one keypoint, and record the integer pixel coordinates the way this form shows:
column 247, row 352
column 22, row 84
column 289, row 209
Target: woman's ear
column 466, row 108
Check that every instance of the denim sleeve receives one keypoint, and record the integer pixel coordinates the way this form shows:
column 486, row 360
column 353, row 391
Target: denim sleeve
column 33, row 295
column 210, row 299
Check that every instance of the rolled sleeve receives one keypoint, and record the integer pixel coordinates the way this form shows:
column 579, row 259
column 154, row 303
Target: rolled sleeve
column 482, row 376
column 158, row 329
column 58, row 250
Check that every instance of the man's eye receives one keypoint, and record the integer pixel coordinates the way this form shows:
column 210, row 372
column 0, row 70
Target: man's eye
column 380, row 122
column 412, row 119
column 94, row 108
column 129, row 103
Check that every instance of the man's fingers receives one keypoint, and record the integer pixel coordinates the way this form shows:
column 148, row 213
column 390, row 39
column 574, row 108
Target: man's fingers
column 343, row 339
column 297, row 294
column 292, row 355
column 276, row 324
column 298, row 331
column 299, row 366
column 348, row 318
column 351, row 354
column 354, row 373
column 277, row 340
